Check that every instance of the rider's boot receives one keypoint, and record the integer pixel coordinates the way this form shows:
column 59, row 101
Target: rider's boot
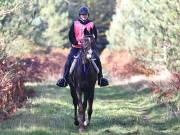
column 63, row 82
column 101, row 81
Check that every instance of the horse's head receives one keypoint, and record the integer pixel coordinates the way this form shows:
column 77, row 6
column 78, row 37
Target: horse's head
column 87, row 42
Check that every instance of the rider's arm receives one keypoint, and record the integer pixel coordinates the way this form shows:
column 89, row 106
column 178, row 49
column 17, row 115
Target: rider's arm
column 95, row 32
column 72, row 38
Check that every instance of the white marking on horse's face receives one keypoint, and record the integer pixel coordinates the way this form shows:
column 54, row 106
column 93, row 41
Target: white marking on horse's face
column 89, row 39
column 90, row 51
column 89, row 54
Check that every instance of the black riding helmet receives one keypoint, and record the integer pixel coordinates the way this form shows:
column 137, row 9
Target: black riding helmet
column 83, row 10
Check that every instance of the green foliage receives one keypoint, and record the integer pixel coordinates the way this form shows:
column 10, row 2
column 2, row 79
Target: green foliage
column 41, row 23
column 3, row 54
column 5, row 2
column 57, row 20
column 152, row 26
column 46, row 22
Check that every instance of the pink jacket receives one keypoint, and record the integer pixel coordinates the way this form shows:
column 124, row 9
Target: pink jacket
column 79, row 30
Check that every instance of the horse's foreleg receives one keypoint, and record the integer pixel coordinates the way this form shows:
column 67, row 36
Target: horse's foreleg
column 90, row 106
column 80, row 112
column 75, row 103
column 84, row 107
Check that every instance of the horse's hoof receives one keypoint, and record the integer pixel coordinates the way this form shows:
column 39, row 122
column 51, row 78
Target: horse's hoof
column 86, row 123
column 81, row 130
column 76, row 123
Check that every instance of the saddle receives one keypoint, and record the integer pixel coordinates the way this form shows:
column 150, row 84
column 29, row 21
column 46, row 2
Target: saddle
column 75, row 61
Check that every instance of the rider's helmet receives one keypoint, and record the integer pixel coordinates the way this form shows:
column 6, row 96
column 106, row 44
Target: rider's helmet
column 83, row 10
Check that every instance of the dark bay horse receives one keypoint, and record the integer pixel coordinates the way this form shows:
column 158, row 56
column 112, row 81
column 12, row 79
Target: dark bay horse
column 82, row 83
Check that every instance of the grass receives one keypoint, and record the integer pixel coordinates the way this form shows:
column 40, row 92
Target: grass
column 118, row 110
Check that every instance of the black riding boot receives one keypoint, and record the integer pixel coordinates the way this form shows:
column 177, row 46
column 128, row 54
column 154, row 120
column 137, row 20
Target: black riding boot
column 63, row 82
column 101, row 81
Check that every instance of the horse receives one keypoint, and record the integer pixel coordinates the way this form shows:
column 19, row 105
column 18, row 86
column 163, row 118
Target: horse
column 83, row 78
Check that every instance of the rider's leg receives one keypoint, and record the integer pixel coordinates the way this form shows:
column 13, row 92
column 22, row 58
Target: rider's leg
column 101, row 81
column 63, row 82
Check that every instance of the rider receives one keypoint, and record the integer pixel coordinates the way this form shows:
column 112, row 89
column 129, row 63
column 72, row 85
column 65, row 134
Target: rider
column 75, row 35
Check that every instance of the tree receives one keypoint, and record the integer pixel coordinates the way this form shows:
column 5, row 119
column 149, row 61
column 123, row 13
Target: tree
column 44, row 24
column 148, row 29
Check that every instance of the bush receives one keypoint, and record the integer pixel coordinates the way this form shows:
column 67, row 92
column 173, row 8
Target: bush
column 11, row 84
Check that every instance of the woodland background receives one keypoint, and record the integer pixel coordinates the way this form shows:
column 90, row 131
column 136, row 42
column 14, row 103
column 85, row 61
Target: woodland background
column 137, row 39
